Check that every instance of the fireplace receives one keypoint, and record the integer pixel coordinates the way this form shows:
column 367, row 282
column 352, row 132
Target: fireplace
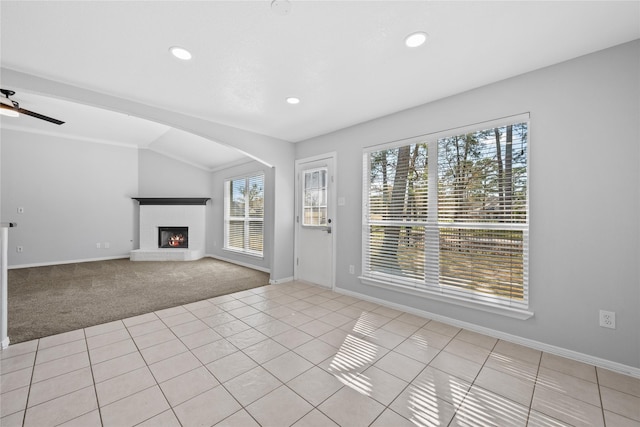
column 173, row 237
column 184, row 216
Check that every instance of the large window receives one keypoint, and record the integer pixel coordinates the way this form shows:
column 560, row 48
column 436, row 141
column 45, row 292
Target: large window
column 448, row 214
column 244, row 214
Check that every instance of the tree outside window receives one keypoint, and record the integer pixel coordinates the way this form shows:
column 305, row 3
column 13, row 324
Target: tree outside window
column 450, row 214
column 244, row 214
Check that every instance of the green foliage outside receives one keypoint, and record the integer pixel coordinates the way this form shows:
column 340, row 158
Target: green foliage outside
column 246, row 204
column 482, row 179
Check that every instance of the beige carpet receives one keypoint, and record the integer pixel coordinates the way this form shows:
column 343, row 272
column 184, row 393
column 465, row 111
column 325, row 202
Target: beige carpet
column 49, row 300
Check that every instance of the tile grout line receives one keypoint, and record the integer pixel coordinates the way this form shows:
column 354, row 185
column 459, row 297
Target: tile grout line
column 289, row 350
column 462, row 400
column 151, row 372
column 125, row 373
column 386, row 407
column 201, row 365
column 93, row 379
column 535, row 384
column 86, row 348
column 221, row 384
column 33, row 370
column 60, row 375
column 409, row 383
column 242, row 407
column 604, row 420
column 367, row 336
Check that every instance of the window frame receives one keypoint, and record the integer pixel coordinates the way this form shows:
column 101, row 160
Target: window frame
column 430, row 286
column 246, row 219
column 320, row 205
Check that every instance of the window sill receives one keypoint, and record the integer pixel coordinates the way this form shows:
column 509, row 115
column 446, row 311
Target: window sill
column 516, row 313
column 249, row 254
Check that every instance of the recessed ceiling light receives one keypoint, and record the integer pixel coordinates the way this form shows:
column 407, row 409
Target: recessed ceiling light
column 180, row 53
column 281, row 7
column 415, row 39
column 293, row 100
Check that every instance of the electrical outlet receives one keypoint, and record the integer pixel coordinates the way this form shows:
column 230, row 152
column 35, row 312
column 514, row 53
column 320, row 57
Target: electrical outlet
column 608, row 319
column 107, row 245
column 97, row 245
column 352, row 269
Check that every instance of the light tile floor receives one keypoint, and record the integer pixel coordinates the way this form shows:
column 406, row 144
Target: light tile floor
column 295, row 354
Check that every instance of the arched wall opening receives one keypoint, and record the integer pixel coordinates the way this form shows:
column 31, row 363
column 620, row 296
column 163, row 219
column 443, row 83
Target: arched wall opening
column 273, row 155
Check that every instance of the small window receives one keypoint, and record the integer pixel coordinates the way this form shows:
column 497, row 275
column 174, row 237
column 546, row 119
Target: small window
column 244, row 214
column 314, row 205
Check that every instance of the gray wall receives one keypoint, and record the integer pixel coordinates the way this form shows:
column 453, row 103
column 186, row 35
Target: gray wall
column 185, row 180
column 584, row 196
column 162, row 176
column 74, row 197
column 74, row 194
column 215, row 221
column 272, row 151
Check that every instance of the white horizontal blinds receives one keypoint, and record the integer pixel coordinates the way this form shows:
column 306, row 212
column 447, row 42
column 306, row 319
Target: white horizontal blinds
column 255, row 196
column 397, row 250
column 236, row 206
column 461, row 229
column 254, row 224
column 484, row 261
column 397, row 211
column 482, row 176
column 235, row 234
column 482, row 211
column 244, row 216
column 236, row 197
column 314, row 197
column 398, row 184
column 255, row 236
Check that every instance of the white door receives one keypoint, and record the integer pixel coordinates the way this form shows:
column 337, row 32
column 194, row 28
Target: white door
column 315, row 214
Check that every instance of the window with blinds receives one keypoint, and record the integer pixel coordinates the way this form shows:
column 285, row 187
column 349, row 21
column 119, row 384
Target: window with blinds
column 244, row 214
column 449, row 214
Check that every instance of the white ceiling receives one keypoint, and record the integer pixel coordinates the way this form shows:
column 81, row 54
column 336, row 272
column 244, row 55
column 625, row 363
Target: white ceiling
column 92, row 124
column 345, row 59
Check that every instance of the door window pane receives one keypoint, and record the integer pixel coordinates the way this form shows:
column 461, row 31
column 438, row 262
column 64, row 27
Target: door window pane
column 314, row 198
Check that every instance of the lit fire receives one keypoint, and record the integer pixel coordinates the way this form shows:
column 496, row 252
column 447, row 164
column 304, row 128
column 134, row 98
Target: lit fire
column 176, row 240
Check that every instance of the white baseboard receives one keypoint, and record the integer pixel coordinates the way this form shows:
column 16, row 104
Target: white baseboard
column 73, row 261
column 283, row 280
column 558, row 351
column 5, row 343
column 243, row 264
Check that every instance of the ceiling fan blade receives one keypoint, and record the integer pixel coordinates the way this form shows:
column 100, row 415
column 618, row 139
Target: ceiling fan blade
column 14, row 106
column 40, row 116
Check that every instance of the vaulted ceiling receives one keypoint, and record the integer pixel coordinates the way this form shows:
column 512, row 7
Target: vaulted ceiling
column 345, row 60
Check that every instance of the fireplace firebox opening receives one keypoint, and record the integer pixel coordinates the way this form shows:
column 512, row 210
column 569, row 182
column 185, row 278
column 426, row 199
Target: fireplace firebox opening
column 173, row 237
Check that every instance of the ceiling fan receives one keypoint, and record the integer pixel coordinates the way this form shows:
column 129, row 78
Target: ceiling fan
column 10, row 107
